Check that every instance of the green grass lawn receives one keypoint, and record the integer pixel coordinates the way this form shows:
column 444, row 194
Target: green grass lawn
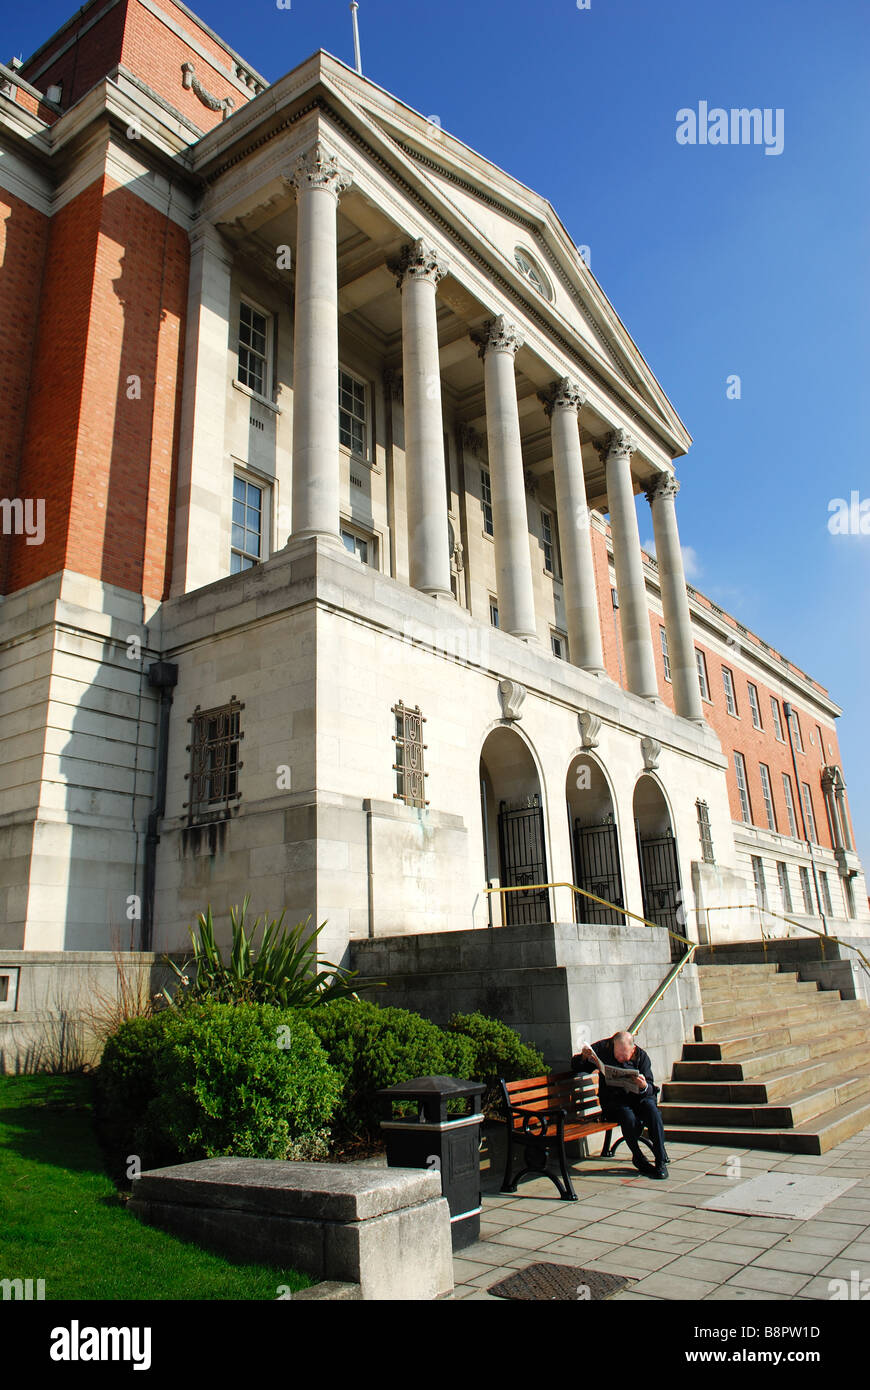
column 64, row 1221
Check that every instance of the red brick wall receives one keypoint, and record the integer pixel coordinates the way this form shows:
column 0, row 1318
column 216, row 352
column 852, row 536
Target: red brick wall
column 23, row 237
column 113, row 307
column 130, row 35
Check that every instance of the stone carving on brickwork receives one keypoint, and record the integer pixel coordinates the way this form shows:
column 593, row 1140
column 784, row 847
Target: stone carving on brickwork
column 499, row 335
column 419, row 261
column 512, row 696
column 590, row 728
column 665, row 486
column 319, row 168
column 563, row 395
column 832, row 779
column 651, row 751
column 191, row 83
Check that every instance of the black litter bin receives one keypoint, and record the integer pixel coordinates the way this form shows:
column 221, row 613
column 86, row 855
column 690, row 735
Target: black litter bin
column 447, row 1144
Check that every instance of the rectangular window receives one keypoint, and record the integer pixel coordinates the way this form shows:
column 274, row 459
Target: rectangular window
column 789, row 806
column 547, row 537
column 767, row 793
column 760, row 885
column 362, row 546
column 705, row 832
column 784, row 887
column 493, row 612
column 796, row 730
column 560, row 645
column 777, row 722
column 408, row 767
column 352, row 417
column 728, row 682
column 214, row 761
column 486, row 501
column 805, row 890
column 808, row 812
column 247, row 534
column 753, row 705
column 666, row 661
column 253, row 370
column 826, row 893
column 742, row 788
column 702, row 674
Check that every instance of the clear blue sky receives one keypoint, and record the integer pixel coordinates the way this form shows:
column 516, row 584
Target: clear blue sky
column 719, row 259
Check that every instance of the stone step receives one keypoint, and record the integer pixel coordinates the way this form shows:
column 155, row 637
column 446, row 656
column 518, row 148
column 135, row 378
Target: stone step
column 753, row 954
column 776, row 1085
column 737, row 1007
column 764, row 989
column 806, row 1105
column 709, row 972
column 815, row 1136
column 760, row 1051
column 795, row 1017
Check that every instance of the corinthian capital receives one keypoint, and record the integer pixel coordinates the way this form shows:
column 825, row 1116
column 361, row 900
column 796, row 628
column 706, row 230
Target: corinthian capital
column 419, row 261
column 619, row 444
column 664, row 486
column 500, row 335
column 319, row 168
column 563, row 395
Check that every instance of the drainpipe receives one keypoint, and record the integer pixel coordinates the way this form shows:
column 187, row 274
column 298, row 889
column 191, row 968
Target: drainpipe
column 162, row 676
column 786, row 709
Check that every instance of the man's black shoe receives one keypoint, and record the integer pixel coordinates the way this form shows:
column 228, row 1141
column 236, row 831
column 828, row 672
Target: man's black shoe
column 661, row 1172
column 642, row 1165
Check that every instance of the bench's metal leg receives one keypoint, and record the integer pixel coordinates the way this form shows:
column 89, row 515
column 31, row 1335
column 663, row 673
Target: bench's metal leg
column 507, row 1186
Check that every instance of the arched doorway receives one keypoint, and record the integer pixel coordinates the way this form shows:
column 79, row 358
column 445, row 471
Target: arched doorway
column 657, row 859
column 594, row 842
column 514, row 840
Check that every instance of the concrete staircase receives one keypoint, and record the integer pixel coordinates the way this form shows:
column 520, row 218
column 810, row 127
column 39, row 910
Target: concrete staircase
column 777, row 1063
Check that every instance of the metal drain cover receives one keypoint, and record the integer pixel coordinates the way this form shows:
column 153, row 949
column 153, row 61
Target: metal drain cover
column 545, row 1282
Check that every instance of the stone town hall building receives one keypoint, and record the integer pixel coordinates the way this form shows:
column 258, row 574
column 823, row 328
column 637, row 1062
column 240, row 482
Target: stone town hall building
column 321, row 571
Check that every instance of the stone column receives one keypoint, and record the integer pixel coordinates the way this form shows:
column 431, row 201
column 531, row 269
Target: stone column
column 205, row 473
column 419, row 271
column 562, row 404
column 840, row 794
column 675, row 600
column 634, row 613
column 318, row 180
column 513, row 564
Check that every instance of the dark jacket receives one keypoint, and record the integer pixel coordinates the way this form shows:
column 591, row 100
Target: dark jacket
column 612, row 1095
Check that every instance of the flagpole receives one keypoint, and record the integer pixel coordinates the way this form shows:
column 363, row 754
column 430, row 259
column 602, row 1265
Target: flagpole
column 356, row 51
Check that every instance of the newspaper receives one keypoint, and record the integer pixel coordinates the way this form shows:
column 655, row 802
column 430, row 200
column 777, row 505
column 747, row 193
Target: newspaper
column 624, row 1078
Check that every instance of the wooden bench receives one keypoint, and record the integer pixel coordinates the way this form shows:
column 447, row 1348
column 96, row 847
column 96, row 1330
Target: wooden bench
column 545, row 1112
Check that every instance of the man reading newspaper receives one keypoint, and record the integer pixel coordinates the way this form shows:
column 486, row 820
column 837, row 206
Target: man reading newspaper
column 627, row 1093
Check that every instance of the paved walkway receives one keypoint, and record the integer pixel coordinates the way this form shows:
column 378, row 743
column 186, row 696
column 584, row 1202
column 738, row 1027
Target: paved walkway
column 657, row 1233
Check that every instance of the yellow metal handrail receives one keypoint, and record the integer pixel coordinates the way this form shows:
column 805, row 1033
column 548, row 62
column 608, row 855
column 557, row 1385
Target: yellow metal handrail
column 672, row 974
column 802, row 926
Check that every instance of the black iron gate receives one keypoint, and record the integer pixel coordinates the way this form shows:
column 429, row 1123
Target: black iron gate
column 660, row 880
column 596, row 864
column 523, row 860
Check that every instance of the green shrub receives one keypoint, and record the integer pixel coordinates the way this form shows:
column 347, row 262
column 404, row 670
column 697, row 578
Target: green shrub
column 498, row 1051
column 372, row 1047
column 210, row 1079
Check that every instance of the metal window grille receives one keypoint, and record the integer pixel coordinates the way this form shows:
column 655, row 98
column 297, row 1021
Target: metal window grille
column 214, row 760
column 352, row 413
column 486, row 501
column 408, row 767
column 666, row 660
column 252, row 348
column 705, row 833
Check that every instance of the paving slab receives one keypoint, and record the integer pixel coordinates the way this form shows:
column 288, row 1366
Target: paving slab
column 796, row 1261
column 768, row 1280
